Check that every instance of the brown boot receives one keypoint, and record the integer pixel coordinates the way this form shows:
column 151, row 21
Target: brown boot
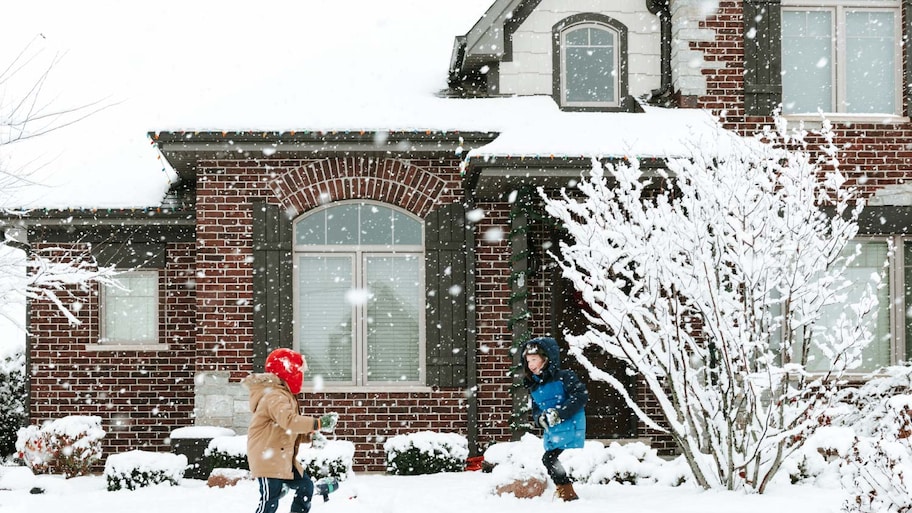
column 566, row 493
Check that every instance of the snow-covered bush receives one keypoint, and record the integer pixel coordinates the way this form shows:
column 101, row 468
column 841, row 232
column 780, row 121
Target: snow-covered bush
column 70, row 445
column 878, row 465
column 516, row 461
column 228, row 452
column 821, row 456
column 633, row 463
column 333, row 459
column 725, row 283
column 426, row 452
column 137, row 469
column 12, row 400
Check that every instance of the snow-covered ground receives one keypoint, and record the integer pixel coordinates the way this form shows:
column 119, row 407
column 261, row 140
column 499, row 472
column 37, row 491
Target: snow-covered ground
column 440, row 493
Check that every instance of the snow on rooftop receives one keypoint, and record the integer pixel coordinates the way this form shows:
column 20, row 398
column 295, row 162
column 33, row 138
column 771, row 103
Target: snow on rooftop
column 657, row 132
column 279, row 66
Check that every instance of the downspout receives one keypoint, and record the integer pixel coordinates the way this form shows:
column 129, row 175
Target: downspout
column 662, row 9
column 471, row 342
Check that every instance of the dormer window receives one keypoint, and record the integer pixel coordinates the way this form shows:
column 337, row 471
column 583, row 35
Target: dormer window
column 590, row 62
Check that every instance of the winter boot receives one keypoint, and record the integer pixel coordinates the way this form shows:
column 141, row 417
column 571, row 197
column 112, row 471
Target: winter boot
column 566, row 493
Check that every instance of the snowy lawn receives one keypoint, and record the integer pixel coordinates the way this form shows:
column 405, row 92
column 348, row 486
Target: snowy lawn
column 376, row 493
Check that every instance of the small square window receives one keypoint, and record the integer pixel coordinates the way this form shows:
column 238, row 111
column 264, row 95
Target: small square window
column 129, row 309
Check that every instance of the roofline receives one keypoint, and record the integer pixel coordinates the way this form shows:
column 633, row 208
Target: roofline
column 494, row 177
column 553, row 161
column 184, row 149
column 496, row 14
column 302, row 137
column 97, row 217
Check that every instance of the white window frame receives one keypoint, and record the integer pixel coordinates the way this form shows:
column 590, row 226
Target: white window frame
column 616, row 64
column 839, row 9
column 358, row 255
column 895, row 281
column 104, row 340
column 895, row 295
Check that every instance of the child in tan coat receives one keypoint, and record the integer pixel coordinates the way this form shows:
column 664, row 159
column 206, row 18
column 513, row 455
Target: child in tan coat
column 276, row 430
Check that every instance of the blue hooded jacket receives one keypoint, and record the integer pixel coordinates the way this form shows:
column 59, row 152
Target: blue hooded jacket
column 559, row 389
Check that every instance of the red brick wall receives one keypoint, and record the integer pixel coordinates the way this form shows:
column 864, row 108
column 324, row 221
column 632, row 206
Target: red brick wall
column 224, row 283
column 141, row 396
column 492, row 296
column 879, row 153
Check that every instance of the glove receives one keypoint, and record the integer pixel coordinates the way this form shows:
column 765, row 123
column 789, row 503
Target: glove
column 317, row 440
column 328, row 422
column 549, row 418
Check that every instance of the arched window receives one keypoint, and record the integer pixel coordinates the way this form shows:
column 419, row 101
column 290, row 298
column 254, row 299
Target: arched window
column 591, row 62
column 359, row 309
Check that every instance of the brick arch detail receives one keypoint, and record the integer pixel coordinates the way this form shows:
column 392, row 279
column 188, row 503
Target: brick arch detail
column 393, row 181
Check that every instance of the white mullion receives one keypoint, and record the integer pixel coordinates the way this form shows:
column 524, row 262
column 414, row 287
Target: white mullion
column 352, row 258
column 361, row 345
column 899, row 84
column 563, row 67
column 898, row 305
column 839, row 59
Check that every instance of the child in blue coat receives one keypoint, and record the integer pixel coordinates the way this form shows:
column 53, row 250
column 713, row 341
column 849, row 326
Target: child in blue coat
column 558, row 406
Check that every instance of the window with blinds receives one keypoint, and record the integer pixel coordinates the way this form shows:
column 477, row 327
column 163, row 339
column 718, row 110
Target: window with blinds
column 359, row 298
column 129, row 309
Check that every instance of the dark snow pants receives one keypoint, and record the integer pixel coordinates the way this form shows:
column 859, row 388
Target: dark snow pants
column 554, row 467
column 272, row 489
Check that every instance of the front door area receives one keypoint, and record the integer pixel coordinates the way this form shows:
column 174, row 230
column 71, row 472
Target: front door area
column 607, row 414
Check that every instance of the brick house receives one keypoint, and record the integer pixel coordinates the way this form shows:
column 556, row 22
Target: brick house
column 363, row 248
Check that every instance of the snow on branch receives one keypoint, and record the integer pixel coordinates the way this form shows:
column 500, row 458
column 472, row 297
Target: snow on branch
column 722, row 282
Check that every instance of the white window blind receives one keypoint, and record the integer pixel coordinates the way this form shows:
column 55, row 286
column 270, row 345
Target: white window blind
column 359, row 294
column 130, row 311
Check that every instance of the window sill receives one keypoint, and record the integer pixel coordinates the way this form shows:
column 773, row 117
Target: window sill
column 814, row 120
column 368, row 389
column 126, row 347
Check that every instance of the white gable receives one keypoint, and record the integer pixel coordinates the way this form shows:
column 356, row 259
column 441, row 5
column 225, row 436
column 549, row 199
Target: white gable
column 530, row 70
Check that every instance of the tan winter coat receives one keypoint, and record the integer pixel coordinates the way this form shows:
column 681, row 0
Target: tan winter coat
column 276, row 429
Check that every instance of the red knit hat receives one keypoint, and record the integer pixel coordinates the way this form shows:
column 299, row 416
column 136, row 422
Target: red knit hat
column 289, row 366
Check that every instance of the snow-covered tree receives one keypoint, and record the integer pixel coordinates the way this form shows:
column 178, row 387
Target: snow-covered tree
column 721, row 282
column 28, row 112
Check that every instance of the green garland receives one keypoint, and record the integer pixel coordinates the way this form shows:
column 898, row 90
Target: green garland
column 519, row 306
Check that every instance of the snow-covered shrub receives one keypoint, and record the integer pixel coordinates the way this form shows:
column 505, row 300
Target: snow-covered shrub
column 675, row 472
column 12, row 401
column 737, row 318
column 516, row 461
column 333, row 459
column 878, row 467
column 631, row 463
column 426, row 452
column 137, row 469
column 70, row 445
column 228, row 452
column 634, row 463
column 821, row 455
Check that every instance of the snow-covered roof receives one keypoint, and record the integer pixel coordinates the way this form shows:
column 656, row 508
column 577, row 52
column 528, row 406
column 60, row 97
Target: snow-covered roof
column 280, row 66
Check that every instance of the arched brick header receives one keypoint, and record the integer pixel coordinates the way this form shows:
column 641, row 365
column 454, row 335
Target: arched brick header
column 393, row 181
